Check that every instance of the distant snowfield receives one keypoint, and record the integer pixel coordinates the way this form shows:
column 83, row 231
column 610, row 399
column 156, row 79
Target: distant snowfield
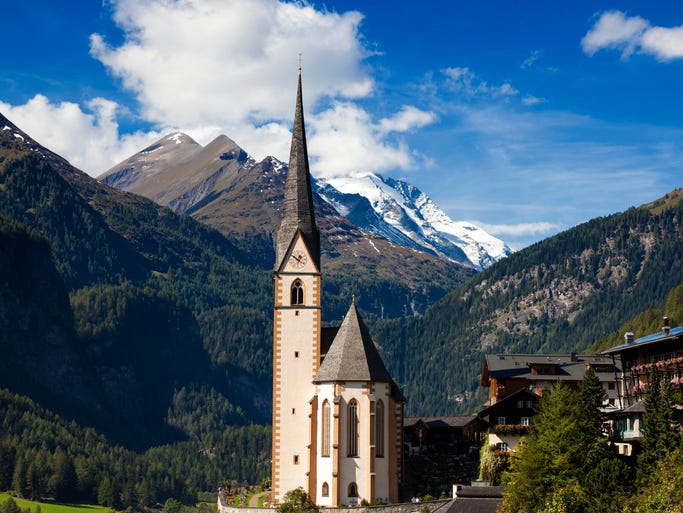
column 415, row 215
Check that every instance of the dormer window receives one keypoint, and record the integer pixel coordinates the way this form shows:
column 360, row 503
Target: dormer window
column 297, row 292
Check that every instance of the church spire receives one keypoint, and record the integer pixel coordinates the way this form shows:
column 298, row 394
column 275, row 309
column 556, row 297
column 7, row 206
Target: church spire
column 297, row 211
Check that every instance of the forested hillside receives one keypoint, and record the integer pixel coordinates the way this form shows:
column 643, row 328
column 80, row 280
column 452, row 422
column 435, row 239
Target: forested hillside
column 560, row 295
column 113, row 312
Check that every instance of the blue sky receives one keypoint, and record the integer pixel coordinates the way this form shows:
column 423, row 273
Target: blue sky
column 525, row 118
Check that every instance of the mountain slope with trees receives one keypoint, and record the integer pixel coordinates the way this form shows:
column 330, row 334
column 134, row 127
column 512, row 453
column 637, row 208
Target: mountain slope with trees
column 559, row 295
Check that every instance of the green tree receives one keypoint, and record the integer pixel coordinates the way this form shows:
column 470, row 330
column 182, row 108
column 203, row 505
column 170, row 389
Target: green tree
column 63, row 484
column 6, row 466
column 297, row 501
column 662, row 490
column 544, row 461
column 491, row 464
column 19, row 477
column 10, row 506
column 173, row 506
column 659, row 434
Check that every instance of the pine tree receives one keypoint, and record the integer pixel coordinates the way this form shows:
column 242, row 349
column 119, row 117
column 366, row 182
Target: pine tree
column 19, row 477
column 659, row 434
column 544, row 461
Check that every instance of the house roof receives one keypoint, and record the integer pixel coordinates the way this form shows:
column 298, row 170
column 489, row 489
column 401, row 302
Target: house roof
column 566, row 367
column 477, row 499
column 452, row 421
column 297, row 208
column 654, row 338
column 525, row 393
column 353, row 355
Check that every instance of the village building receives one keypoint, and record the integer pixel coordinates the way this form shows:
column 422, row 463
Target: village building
column 337, row 413
column 517, row 381
column 659, row 354
column 449, row 435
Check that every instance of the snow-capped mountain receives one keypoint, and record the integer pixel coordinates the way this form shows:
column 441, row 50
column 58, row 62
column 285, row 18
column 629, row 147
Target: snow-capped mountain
column 220, row 182
column 407, row 216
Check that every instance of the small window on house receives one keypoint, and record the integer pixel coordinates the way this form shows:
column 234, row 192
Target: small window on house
column 325, row 490
column 529, row 404
column 297, row 292
column 296, row 459
column 502, row 446
column 293, row 411
column 520, row 404
column 610, row 385
column 353, row 490
column 526, row 421
column 296, row 354
column 501, row 421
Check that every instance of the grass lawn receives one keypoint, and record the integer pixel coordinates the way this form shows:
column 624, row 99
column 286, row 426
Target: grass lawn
column 49, row 506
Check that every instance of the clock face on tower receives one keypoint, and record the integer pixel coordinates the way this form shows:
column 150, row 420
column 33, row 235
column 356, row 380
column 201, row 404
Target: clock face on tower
column 299, row 259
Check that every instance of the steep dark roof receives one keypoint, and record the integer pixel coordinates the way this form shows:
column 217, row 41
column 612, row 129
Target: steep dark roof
column 567, row 367
column 457, row 421
column 297, row 209
column 352, row 355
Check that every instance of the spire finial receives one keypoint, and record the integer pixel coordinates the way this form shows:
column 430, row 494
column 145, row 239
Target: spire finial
column 299, row 63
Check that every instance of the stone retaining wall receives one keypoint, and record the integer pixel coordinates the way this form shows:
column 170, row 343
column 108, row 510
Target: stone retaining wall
column 439, row 506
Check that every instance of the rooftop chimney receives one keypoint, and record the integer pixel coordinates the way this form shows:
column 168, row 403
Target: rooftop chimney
column 628, row 337
column 666, row 328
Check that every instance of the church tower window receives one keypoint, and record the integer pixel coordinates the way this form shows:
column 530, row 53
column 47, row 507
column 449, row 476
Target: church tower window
column 326, row 490
column 353, row 490
column 326, row 429
column 379, row 429
column 353, row 428
column 297, row 293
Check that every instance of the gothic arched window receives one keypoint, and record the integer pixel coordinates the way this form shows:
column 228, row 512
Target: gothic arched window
column 297, row 293
column 379, row 429
column 353, row 428
column 326, row 429
column 326, row 490
column 353, row 490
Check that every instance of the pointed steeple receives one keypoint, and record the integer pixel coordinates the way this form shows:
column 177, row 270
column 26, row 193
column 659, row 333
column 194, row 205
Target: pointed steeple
column 297, row 211
column 352, row 355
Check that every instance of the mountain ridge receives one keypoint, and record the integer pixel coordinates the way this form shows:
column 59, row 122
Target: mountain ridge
column 190, row 184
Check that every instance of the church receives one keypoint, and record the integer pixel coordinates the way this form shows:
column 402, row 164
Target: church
column 337, row 413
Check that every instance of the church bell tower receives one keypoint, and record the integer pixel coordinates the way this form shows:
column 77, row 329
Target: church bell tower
column 296, row 329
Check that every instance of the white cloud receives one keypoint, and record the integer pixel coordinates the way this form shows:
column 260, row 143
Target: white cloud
column 614, row 30
column 346, row 140
column 220, row 62
column 211, row 67
column 533, row 100
column 531, row 60
column 89, row 139
column 407, row 119
column 519, row 230
column 664, row 43
column 466, row 81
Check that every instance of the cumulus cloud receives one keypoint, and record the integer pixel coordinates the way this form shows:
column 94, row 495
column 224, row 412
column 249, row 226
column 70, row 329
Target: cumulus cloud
column 346, row 140
column 407, row 119
column 89, row 138
column 616, row 31
column 216, row 61
column 211, row 67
